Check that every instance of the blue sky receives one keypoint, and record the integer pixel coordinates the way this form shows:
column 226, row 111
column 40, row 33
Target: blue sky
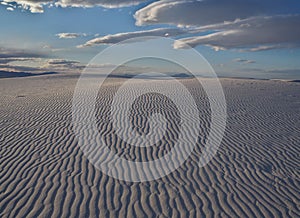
column 242, row 38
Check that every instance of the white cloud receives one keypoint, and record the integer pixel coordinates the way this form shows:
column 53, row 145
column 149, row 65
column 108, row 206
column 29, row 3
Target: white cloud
column 207, row 12
column 34, row 6
column 116, row 38
column 10, row 9
column 102, row 3
column 37, row 6
column 70, row 35
column 260, row 33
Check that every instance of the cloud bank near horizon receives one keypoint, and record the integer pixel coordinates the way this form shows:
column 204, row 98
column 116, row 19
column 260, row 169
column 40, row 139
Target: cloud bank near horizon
column 13, row 60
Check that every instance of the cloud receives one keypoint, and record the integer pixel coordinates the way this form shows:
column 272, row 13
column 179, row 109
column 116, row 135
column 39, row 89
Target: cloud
column 102, row 3
column 116, row 38
column 27, row 61
column 62, row 62
column 259, row 33
column 19, row 68
column 295, row 72
column 17, row 53
column 10, row 60
column 63, row 65
column 10, row 9
column 252, row 34
column 46, row 65
column 248, row 25
column 70, row 35
column 207, row 12
column 266, row 47
column 244, row 61
column 37, row 6
column 34, row 6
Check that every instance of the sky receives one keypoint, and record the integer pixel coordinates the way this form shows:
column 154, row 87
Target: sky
column 239, row 38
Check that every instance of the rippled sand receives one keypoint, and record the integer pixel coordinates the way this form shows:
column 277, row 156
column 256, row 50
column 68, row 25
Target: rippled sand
column 43, row 172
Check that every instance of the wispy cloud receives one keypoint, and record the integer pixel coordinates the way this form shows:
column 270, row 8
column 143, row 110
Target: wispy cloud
column 116, row 38
column 244, row 61
column 102, row 3
column 70, row 35
column 16, row 59
column 63, row 65
column 19, row 53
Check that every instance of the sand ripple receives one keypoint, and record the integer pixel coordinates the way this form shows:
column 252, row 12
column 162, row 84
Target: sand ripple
column 256, row 172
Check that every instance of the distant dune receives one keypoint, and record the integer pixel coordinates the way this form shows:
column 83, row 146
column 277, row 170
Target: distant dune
column 7, row 74
column 295, row 81
column 43, row 172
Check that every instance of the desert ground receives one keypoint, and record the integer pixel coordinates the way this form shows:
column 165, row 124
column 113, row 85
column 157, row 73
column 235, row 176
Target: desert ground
column 44, row 173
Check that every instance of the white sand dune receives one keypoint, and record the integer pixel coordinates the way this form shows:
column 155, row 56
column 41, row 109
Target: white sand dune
column 43, row 172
